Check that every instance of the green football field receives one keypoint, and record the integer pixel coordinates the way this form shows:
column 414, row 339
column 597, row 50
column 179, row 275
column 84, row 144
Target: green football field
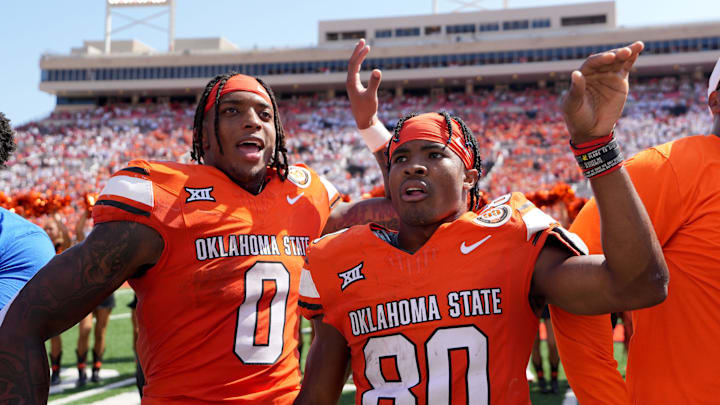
column 119, row 362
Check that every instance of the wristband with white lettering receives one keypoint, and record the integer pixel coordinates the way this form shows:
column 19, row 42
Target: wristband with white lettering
column 376, row 136
column 598, row 157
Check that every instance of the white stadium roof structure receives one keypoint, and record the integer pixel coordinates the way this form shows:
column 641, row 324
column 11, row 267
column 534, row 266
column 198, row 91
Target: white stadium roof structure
column 453, row 51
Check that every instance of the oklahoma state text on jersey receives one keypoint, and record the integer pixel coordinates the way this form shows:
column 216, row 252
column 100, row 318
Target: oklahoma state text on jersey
column 218, row 312
column 450, row 324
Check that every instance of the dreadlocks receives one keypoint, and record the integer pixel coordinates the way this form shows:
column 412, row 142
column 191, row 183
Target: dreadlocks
column 470, row 143
column 279, row 161
column 7, row 140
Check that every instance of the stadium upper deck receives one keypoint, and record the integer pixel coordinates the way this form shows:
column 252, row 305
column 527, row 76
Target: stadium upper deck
column 455, row 51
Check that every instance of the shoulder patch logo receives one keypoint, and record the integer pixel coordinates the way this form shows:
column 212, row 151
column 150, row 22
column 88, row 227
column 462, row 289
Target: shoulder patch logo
column 350, row 276
column 299, row 176
column 494, row 217
column 199, row 194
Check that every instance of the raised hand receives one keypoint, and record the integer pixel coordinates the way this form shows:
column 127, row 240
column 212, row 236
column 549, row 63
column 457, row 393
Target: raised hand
column 598, row 92
column 363, row 101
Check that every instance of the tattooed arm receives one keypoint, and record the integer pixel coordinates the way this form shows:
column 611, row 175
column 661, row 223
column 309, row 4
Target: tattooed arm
column 364, row 106
column 61, row 294
column 377, row 210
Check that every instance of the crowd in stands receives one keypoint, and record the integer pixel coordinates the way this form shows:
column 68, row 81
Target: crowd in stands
column 521, row 136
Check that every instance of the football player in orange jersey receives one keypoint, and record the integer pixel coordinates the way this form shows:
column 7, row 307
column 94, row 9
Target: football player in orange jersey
column 214, row 252
column 673, row 356
column 444, row 311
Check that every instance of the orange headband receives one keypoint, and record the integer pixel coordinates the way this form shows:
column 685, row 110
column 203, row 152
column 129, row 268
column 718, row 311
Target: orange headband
column 237, row 83
column 432, row 127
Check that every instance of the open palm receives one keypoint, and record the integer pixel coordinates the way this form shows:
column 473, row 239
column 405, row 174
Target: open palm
column 598, row 92
column 363, row 101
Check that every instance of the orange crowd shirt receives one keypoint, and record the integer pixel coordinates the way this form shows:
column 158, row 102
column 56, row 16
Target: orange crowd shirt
column 674, row 355
column 218, row 312
column 449, row 324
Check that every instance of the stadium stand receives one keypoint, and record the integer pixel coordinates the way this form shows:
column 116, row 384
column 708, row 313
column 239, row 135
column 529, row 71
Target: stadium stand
column 503, row 71
column 521, row 137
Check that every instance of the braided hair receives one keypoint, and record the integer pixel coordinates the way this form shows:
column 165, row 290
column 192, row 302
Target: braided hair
column 470, row 143
column 279, row 161
column 7, row 140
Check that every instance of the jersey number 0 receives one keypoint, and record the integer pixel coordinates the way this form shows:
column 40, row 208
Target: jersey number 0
column 261, row 317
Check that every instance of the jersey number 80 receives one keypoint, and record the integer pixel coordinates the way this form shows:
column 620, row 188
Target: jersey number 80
column 437, row 354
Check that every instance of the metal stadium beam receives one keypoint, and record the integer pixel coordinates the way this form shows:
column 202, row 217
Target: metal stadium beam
column 111, row 5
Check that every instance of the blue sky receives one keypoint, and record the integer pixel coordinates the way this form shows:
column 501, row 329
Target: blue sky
column 30, row 28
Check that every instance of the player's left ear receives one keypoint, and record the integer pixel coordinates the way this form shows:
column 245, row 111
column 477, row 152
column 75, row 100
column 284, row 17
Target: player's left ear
column 470, row 178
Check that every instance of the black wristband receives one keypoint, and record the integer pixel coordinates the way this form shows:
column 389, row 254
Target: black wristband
column 601, row 160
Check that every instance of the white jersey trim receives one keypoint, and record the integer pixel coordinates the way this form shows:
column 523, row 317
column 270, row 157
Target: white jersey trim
column 331, row 190
column 132, row 188
column 575, row 240
column 307, row 286
column 536, row 221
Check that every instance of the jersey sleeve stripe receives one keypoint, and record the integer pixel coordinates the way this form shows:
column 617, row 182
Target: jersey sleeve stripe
column 123, row 206
column 337, row 199
column 132, row 188
column 536, row 221
column 572, row 239
column 309, row 306
column 307, row 285
column 137, row 170
column 331, row 191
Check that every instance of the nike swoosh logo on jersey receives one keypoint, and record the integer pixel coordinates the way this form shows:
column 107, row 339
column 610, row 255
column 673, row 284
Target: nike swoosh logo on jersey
column 293, row 200
column 467, row 249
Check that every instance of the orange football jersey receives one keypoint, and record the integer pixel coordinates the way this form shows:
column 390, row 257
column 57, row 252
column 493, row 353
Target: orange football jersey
column 674, row 355
column 218, row 312
column 449, row 324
